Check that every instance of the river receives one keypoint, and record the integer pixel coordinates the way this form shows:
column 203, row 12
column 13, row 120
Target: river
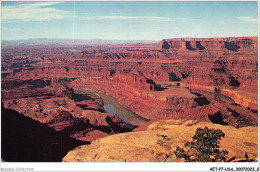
column 111, row 105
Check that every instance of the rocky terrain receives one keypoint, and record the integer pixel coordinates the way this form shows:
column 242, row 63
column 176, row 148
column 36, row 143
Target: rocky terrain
column 91, row 91
column 158, row 142
column 79, row 114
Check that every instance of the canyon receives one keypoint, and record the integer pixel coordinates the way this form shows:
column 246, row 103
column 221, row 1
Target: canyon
column 66, row 87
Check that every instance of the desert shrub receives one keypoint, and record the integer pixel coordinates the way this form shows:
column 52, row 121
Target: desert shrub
column 204, row 147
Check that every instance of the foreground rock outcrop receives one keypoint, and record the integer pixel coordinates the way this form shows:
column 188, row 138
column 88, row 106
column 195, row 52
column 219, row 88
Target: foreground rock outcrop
column 158, row 142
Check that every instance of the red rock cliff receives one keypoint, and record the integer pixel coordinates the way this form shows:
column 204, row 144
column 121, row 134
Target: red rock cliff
column 205, row 44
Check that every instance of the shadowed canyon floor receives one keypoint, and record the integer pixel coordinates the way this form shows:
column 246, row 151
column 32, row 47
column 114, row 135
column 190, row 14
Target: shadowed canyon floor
column 91, row 92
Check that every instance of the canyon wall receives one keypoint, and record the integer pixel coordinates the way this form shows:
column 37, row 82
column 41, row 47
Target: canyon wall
column 210, row 44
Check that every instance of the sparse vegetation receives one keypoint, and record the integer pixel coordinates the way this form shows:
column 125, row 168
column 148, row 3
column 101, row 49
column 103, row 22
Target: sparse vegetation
column 204, row 147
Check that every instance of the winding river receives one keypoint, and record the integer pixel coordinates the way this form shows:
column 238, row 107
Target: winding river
column 111, row 105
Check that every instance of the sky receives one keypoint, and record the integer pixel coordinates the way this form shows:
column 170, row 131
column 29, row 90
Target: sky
column 128, row 20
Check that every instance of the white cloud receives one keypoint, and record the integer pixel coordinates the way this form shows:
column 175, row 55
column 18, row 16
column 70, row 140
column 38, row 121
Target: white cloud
column 43, row 4
column 247, row 19
column 151, row 18
column 32, row 12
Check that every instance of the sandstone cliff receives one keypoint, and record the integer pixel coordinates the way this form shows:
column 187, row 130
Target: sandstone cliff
column 213, row 44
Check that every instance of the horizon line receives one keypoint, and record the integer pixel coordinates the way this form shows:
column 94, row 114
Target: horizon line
column 34, row 39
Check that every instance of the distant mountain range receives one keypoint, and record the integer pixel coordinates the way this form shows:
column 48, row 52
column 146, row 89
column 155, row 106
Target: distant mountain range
column 43, row 41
